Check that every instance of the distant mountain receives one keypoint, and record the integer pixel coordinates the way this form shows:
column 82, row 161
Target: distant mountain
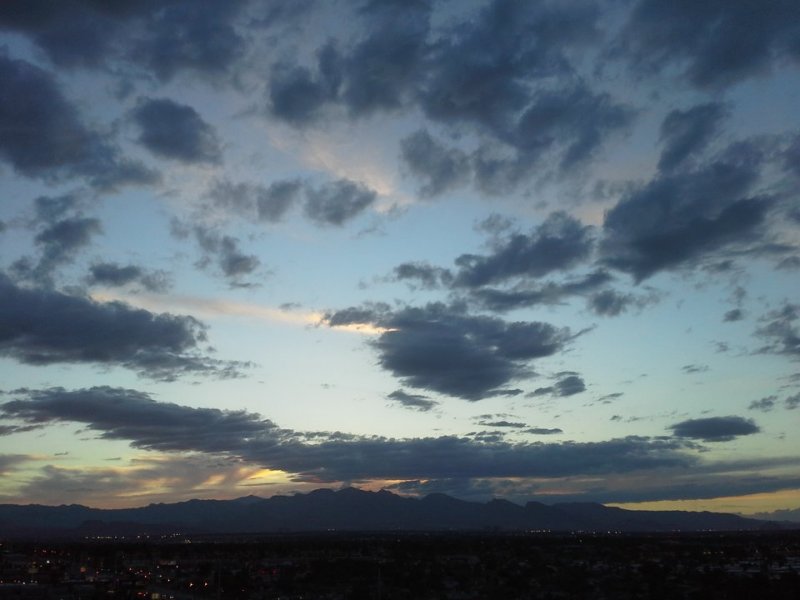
column 351, row 509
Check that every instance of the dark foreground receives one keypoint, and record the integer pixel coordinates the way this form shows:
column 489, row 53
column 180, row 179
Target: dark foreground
column 418, row 566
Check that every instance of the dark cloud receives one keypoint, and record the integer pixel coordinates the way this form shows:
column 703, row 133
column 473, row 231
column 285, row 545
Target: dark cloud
column 444, row 349
column 274, row 201
column 440, row 168
column 119, row 414
column 189, row 36
column 337, row 202
column 380, row 71
column 715, row 429
column 718, row 43
column 480, row 73
column 9, row 462
column 413, row 401
column 609, row 303
column 694, row 369
column 115, row 275
column 792, row 402
column 735, row 314
column 42, row 327
column 425, row 275
column 503, row 423
column 60, row 242
column 297, row 95
column 252, row 201
column 781, row 331
column 176, row 131
column 559, row 243
column 686, row 132
column 568, row 384
column 679, row 219
column 764, row 405
column 543, row 431
column 44, row 136
column 164, row 38
column 526, row 295
column 577, row 120
column 223, row 251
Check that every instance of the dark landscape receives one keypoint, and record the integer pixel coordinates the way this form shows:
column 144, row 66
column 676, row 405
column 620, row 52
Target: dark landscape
column 358, row 544
column 351, row 509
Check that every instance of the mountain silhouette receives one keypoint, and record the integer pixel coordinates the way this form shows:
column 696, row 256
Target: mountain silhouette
column 351, row 509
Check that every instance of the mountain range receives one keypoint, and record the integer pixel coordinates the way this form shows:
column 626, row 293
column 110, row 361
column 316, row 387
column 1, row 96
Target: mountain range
column 351, row 509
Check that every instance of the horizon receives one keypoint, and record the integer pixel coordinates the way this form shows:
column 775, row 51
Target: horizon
column 491, row 248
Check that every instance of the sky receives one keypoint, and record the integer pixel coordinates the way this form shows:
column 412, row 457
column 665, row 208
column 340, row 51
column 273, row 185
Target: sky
column 530, row 250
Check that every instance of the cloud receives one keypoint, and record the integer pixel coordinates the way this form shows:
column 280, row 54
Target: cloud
column 297, row 95
column 543, row 431
column 176, row 131
column 687, row 132
column 559, row 243
column 116, row 275
column 441, row 348
column 120, row 414
column 781, row 332
column 735, row 314
column 576, row 119
column 568, row 384
column 187, row 36
column 502, row 423
column 680, row 219
column 792, row 402
column 45, row 138
column 337, row 202
column 764, row 405
column 440, row 168
column 274, row 201
column 694, row 369
column 425, row 275
column 222, row 251
column 43, row 327
column 9, row 462
column 715, row 429
column 610, row 303
column 718, row 43
column 413, row 401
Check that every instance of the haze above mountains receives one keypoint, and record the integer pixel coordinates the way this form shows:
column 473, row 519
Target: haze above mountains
column 351, row 509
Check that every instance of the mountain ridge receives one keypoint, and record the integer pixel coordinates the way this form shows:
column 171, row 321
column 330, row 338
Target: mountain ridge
column 351, row 509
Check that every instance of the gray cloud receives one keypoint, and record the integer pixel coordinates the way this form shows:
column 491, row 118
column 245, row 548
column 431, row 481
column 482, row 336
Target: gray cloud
column 220, row 250
column 568, row 384
column 717, row 42
column 559, row 243
column 274, row 201
column 442, row 348
column 764, row 404
column 176, row 131
column 679, row 219
column 439, row 168
column 792, row 402
column 115, row 275
column 781, row 332
column 337, row 202
column 686, row 132
column 413, row 401
column 715, row 429
column 425, row 275
column 44, row 136
column 119, row 414
column 163, row 37
column 735, row 314
column 42, row 327
column 543, row 431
